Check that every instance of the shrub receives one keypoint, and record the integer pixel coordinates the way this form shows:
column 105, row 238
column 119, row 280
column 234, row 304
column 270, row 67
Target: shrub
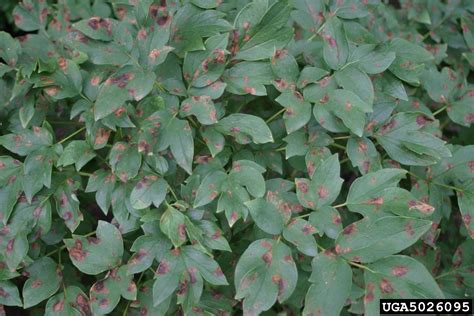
column 210, row 157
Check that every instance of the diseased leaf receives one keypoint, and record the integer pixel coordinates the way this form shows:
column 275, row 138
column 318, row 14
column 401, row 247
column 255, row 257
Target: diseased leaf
column 323, row 188
column 265, row 272
column 94, row 255
column 369, row 240
column 43, row 281
column 331, row 280
column 397, row 277
column 245, row 128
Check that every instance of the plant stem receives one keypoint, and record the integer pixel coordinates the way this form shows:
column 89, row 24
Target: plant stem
column 274, row 116
column 338, row 146
column 340, row 205
column 358, row 265
column 342, row 137
column 72, row 135
column 85, row 174
column 172, row 192
column 440, row 110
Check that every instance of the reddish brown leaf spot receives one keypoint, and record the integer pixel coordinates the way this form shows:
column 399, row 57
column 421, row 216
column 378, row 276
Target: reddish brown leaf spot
column 267, row 257
column 163, row 268
column 369, row 296
column 10, row 245
column 99, row 287
column 308, row 229
column 36, row 284
column 409, row 229
column 266, row 244
column 302, row 187
column 350, row 229
column 420, row 206
column 104, row 303
column 218, row 272
column 386, row 286
column 362, row 147
column 192, row 275
column 76, row 252
column 399, row 271
column 182, row 231
column 375, row 201
column 323, row 192
column 469, row 118
column 58, row 306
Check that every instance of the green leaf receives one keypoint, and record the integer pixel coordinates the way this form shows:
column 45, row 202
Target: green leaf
column 210, row 188
column 10, row 295
column 103, row 183
column 300, row 233
column 461, row 111
column 440, row 85
column 202, row 68
column 327, row 220
column 336, row 47
column 298, row 111
column 363, row 154
column 323, row 188
column 408, row 64
column 30, row 15
column 125, row 160
column 266, row 216
column 404, row 142
column 264, row 273
column 150, row 189
column 245, row 128
column 269, row 34
column 44, row 279
column 129, row 83
column 372, row 59
column 67, row 204
column 172, row 225
column 71, row 302
column 200, row 106
column 239, row 82
column 352, row 79
column 465, row 200
column 97, row 28
column 397, row 277
column 10, row 49
column 27, row 141
column 331, row 280
column 37, row 171
column 94, row 255
column 178, row 136
column 369, row 240
column 105, row 294
column 77, row 152
column 350, row 109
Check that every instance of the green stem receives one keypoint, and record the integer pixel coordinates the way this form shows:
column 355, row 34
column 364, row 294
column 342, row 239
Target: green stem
column 340, row 205
column 85, row 174
column 281, row 149
column 440, row 110
column 72, row 135
column 358, row 265
column 342, row 137
column 338, row 146
column 436, row 183
column 172, row 192
column 274, row 116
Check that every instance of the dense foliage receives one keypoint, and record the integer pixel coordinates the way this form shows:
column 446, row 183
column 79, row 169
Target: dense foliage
column 211, row 157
